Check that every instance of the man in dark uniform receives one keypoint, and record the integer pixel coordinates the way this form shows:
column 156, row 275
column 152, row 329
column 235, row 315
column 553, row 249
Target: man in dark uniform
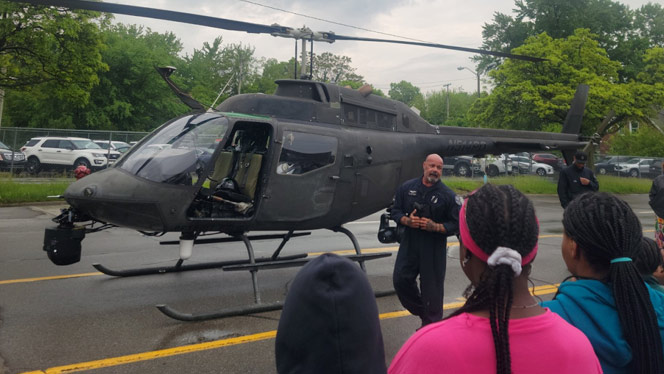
column 576, row 180
column 429, row 212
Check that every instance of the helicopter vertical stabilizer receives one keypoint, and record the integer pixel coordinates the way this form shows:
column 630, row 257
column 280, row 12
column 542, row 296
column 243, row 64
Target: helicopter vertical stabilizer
column 572, row 124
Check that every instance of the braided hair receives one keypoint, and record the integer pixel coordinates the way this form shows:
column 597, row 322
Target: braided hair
column 499, row 216
column 649, row 257
column 606, row 228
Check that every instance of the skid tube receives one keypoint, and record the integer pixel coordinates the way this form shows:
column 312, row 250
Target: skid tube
column 179, row 267
column 253, row 266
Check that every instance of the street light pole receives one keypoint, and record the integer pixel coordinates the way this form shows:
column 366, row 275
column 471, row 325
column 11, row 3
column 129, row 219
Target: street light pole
column 477, row 74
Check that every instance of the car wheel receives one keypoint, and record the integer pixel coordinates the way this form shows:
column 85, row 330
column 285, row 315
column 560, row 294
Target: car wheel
column 81, row 162
column 33, row 165
column 602, row 171
column 541, row 172
column 463, row 170
column 634, row 173
column 492, row 171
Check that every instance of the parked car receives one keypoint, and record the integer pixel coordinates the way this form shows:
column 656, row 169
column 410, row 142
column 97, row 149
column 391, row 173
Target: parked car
column 458, row 165
column 11, row 160
column 49, row 152
column 608, row 165
column 494, row 165
column 655, row 168
column 634, row 167
column 549, row 159
column 119, row 146
column 525, row 165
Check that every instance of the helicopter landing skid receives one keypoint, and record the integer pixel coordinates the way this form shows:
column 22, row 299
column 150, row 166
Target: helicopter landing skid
column 254, row 265
column 178, row 267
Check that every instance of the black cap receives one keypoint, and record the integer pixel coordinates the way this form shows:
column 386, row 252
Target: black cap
column 580, row 157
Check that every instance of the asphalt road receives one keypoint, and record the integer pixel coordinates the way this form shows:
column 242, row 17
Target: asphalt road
column 73, row 319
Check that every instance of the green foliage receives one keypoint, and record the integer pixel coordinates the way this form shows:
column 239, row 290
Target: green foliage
column 406, row 93
column 53, row 49
column 332, row 68
column 535, row 97
column 623, row 33
column 436, row 107
column 644, row 142
column 14, row 192
column 531, row 184
column 272, row 71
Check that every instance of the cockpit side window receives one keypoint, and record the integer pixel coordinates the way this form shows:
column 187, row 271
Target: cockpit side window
column 303, row 152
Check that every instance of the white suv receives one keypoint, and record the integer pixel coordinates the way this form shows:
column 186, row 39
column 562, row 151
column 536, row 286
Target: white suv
column 49, row 151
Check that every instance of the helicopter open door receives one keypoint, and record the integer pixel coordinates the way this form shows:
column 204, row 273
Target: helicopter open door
column 233, row 184
column 303, row 182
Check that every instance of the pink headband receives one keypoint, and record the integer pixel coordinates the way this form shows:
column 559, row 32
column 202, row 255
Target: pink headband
column 469, row 243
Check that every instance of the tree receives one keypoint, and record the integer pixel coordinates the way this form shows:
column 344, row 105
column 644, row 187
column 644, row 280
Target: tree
column 532, row 96
column 54, row 48
column 406, row 93
column 332, row 68
column 130, row 95
column 646, row 141
column 436, row 105
column 272, row 71
column 623, row 33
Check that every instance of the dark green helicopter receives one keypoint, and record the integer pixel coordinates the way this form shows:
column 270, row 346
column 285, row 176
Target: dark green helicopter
column 311, row 156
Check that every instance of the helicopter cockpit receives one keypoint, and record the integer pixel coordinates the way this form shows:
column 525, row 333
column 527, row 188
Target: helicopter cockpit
column 184, row 152
column 180, row 151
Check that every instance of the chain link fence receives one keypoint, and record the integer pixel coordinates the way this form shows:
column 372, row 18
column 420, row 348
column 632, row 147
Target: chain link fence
column 16, row 137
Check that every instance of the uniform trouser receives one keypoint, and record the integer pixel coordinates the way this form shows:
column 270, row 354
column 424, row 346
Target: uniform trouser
column 424, row 254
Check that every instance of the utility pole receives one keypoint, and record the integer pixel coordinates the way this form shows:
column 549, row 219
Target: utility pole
column 448, row 101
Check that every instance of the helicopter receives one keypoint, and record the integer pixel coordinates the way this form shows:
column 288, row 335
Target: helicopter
column 313, row 155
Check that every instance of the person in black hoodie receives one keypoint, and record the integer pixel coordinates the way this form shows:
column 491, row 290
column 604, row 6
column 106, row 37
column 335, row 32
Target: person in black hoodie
column 576, row 180
column 329, row 323
column 656, row 201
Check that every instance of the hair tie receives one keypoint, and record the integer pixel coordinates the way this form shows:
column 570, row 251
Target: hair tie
column 469, row 243
column 506, row 256
column 621, row 259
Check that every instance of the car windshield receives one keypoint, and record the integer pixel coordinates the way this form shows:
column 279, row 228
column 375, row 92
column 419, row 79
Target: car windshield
column 102, row 144
column 85, row 144
column 179, row 151
column 3, row 146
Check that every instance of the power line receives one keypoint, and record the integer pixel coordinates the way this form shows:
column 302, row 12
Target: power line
column 333, row 22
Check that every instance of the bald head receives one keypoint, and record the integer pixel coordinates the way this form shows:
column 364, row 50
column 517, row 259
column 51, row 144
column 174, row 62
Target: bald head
column 433, row 169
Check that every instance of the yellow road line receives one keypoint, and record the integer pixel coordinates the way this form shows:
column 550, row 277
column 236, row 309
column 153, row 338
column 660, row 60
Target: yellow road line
column 145, row 356
column 25, row 280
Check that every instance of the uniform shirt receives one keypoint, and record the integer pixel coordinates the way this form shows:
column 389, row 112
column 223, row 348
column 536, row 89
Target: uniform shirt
column 442, row 202
column 464, row 344
column 569, row 184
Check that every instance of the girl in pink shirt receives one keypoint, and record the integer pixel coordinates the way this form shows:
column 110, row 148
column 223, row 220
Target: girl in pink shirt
column 501, row 328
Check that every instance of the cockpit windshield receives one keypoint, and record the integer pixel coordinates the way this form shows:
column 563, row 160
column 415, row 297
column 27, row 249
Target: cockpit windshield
column 180, row 151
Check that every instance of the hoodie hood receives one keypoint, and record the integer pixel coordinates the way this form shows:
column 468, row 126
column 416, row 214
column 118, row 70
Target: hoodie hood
column 589, row 306
column 329, row 323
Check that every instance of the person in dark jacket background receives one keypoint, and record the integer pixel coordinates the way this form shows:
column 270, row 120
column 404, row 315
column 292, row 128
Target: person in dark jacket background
column 330, row 322
column 429, row 211
column 576, row 180
column 657, row 204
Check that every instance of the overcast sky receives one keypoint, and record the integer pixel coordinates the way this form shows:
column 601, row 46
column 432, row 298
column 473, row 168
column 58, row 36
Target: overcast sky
column 451, row 22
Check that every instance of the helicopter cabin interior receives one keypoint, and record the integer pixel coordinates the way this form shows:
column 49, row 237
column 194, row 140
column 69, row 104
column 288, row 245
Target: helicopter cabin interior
column 233, row 182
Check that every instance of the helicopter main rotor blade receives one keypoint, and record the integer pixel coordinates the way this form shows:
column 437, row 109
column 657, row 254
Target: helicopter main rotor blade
column 169, row 15
column 255, row 28
column 435, row 45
